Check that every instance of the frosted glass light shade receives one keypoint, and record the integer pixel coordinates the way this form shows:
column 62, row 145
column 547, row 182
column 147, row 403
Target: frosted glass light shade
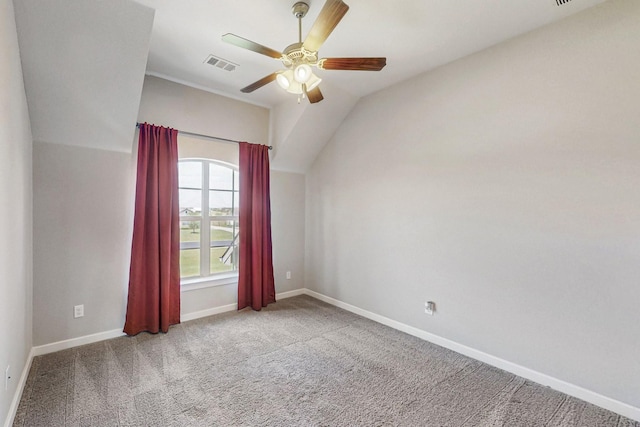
column 313, row 82
column 287, row 81
column 284, row 79
column 302, row 73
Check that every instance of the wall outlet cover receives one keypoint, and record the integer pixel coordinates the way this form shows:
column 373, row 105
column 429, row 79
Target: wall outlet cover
column 429, row 307
column 78, row 311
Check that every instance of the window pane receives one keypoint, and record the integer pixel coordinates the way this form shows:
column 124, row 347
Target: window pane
column 189, row 262
column 190, row 174
column 222, row 233
column 189, row 234
column 223, row 259
column 220, row 203
column 190, row 202
column 220, row 177
column 224, row 248
column 236, row 203
column 223, row 200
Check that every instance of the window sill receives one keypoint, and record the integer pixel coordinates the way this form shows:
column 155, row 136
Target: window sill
column 208, row 282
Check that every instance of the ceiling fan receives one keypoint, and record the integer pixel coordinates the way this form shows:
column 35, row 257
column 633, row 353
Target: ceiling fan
column 297, row 76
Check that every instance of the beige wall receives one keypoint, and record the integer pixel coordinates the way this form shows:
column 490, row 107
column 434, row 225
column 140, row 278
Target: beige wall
column 504, row 187
column 15, row 212
column 287, row 222
column 83, row 116
column 185, row 108
column 83, row 216
column 196, row 111
column 83, row 201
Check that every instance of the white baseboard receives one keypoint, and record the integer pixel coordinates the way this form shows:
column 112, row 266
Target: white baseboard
column 597, row 399
column 232, row 307
column 289, row 294
column 208, row 312
column 621, row 408
column 13, row 408
column 75, row 342
column 101, row 336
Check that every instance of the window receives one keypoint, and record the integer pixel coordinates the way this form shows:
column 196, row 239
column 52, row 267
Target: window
column 209, row 198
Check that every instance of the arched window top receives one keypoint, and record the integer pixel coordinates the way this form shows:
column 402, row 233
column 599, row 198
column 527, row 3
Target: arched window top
column 204, row 159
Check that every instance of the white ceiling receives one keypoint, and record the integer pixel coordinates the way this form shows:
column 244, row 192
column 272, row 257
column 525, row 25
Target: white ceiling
column 84, row 61
column 83, row 64
column 414, row 35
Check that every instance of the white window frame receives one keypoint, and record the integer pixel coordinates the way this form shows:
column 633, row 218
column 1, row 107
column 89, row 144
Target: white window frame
column 215, row 279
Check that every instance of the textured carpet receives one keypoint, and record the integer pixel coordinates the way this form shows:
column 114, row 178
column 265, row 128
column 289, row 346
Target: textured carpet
column 300, row 362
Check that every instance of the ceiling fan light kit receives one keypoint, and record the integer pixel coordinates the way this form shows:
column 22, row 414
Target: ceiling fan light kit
column 298, row 77
column 288, row 81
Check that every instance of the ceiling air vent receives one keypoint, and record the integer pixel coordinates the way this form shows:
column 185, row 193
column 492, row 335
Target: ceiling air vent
column 223, row 64
column 561, row 2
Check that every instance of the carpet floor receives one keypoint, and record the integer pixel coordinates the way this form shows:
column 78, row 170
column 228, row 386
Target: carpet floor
column 299, row 362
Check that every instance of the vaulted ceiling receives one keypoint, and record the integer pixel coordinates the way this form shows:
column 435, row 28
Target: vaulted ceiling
column 73, row 51
column 415, row 36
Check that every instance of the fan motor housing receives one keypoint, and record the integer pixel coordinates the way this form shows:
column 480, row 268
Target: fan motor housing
column 296, row 53
column 300, row 9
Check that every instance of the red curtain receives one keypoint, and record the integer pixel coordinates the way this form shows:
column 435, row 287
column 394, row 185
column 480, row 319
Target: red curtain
column 256, row 286
column 154, row 277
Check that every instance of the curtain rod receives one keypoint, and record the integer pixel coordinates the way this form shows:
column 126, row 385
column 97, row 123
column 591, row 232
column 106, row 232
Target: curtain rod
column 217, row 138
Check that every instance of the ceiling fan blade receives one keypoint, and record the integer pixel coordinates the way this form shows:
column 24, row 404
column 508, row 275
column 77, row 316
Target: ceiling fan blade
column 257, row 85
column 362, row 64
column 330, row 15
column 248, row 44
column 314, row 95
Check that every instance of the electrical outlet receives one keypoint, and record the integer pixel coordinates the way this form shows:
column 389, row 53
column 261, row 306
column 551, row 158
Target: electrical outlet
column 78, row 311
column 429, row 308
column 7, row 377
column 288, row 275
